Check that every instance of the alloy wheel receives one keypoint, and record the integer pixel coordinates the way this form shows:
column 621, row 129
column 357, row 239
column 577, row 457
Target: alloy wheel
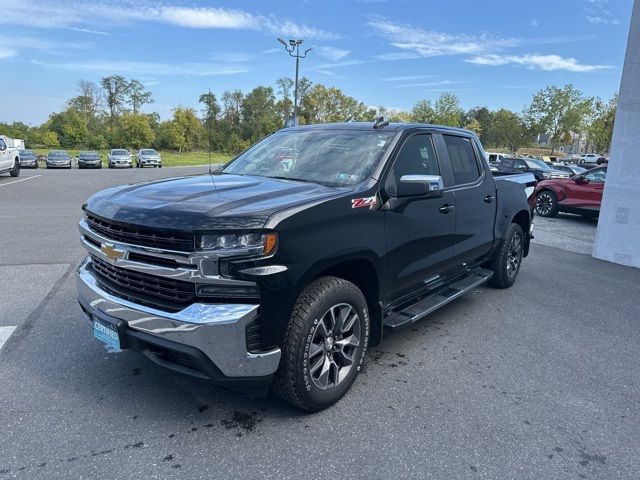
column 514, row 255
column 544, row 203
column 333, row 347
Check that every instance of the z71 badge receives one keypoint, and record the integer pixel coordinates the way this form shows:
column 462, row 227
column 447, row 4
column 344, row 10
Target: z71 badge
column 366, row 202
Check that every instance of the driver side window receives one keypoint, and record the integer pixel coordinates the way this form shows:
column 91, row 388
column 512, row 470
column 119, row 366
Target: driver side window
column 3, row 146
column 597, row 176
column 416, row 157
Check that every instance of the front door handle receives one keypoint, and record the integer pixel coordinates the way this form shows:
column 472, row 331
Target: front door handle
column 489, row 198
column 446, row 208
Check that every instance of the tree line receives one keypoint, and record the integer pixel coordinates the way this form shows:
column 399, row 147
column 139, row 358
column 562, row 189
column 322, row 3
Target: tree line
column 108, row 114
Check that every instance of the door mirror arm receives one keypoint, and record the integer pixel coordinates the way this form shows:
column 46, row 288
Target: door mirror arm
column 414, row 187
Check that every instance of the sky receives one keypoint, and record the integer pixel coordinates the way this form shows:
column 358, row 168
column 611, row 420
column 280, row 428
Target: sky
column 494, row 53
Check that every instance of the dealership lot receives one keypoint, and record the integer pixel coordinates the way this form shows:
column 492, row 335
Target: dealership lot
column 538, row 381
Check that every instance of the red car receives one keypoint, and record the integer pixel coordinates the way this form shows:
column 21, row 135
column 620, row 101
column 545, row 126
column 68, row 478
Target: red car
column 581, row 194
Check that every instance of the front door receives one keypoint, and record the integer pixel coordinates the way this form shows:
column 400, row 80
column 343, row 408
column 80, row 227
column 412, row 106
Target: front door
column 419, row 236
column 587, row 194
column 6, row 161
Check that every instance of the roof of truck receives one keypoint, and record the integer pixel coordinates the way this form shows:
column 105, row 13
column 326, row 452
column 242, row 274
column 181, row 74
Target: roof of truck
column 395, row 127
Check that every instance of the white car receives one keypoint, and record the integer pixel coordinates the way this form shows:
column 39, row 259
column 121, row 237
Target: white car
column 495, row 157
column 119, row 158
column 148, row 157
column 9, row 157
column 590, row 159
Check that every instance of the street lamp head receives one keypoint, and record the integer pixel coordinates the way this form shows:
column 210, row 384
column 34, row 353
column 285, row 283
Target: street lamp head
column 282, row 42
column 307, row 51
column 292, row 43
column 299, row 42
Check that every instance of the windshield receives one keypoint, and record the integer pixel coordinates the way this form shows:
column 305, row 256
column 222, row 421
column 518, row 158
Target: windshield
column 578, row 170
column 537, row 164
column 88, row 154
column 119, row 152
column 58, row 154
column 148, row 152
column 25, row 152
column 328, row 157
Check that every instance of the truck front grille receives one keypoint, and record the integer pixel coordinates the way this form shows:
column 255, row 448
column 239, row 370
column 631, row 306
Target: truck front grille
column 150, row 290
column 147, row 237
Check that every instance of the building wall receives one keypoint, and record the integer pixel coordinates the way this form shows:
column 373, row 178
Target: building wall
column 618, row 235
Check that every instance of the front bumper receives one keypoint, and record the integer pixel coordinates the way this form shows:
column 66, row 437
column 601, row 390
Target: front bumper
column 211, row 335
column 29, row 162
column 58, row 165
column 144, row 163
column 89, row 163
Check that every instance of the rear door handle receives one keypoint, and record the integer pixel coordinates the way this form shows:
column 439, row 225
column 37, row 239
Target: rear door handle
column 446, row 208
column 489, row 198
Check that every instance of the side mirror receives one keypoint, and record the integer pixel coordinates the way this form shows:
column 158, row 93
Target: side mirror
column 579, row 179
column 421, row 186
column 3, row 147
column 522, row 167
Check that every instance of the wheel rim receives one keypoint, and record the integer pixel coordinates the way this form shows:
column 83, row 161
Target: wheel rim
column 334, row 345
column 514, row 256
column 544, row 203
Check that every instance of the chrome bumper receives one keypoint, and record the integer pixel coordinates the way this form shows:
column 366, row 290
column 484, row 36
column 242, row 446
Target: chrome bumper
column 218, row 330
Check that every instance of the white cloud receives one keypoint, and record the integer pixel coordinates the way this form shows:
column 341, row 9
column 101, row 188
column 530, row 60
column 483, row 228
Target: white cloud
column 539, row 62
column 534, row 23
column 425, row 43
column 602, row 20
column 146, row 68
column 7, row 53
column 406, row 78
column 432, row 84
column 332, row 53
column 86, row 30
column 78, row 13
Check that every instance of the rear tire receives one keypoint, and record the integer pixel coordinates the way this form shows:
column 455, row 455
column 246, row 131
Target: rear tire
column 324, row 345
column 507, row 264
column 547, row 204
column 15, row 171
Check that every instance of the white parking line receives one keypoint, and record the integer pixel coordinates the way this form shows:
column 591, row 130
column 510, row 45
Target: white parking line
column 21, row 180
column 5, row 333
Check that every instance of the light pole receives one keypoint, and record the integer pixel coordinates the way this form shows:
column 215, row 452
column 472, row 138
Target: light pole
column 293, row 49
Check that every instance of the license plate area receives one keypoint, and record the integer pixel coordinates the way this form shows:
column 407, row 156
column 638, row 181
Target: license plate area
column 109, row 331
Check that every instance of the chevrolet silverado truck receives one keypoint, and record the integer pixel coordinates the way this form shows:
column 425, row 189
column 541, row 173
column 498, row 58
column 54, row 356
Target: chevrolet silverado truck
column 278, row 271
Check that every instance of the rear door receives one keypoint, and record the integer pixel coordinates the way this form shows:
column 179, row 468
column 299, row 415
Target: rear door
column 420, row 235
column 475, row 197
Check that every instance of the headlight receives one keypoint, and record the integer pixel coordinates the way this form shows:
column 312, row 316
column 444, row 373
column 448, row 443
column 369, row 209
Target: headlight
column 240, row 243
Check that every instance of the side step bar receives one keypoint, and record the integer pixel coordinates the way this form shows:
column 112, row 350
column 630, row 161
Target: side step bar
column 422, row 308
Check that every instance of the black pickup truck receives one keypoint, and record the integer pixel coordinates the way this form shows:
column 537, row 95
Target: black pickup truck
column 280, row 268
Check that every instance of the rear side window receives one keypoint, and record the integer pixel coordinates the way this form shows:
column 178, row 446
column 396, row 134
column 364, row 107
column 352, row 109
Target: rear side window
column 463, row 159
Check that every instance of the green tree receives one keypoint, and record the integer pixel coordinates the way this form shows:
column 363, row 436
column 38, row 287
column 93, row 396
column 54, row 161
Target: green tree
column 116, row 90
column 484, row 117
column 447, row 110
column 70, row 127
column 510, row 130
column 559, row 112
column 473, row 125
column 138, row 95
column 187, row 129
column 134, row 131
column 259, row 116
column 423, row 112
column 88, row 103
column 328, row 104
column 600, row 130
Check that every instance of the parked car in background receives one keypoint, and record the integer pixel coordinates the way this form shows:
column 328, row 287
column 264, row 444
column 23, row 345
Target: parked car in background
column 549, row 160
column 494, row 157
column 602, row 161
column 89, row 159
column 148, row 157
column 58, row 159
column 589, row 160
column 119, row 158
column 581, row 194
column 538, row 168
column 9, row 157
column 28, row 159
column 570, row 169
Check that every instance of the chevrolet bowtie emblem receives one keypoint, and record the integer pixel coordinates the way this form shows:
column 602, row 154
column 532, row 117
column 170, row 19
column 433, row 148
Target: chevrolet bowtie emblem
column 112, row 252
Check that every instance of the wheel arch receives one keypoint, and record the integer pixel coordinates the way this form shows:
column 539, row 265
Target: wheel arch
column 363, row 274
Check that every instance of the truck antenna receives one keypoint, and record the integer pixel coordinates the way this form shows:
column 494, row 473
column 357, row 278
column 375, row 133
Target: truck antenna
column 380, row 122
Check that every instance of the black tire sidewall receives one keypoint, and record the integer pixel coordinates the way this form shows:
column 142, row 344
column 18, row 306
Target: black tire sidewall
column 309, row 393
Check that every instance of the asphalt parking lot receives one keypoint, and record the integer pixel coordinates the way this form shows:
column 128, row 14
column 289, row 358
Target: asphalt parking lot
column 538, row 381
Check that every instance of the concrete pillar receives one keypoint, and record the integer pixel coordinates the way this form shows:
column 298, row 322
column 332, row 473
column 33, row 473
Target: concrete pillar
column 618, row 235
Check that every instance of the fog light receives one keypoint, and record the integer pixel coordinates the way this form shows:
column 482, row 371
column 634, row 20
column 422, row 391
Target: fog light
column 227, row 291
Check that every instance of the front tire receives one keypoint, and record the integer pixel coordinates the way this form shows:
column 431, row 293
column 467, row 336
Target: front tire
column 324, row 345
column 15, row 171
column 547, row 204
column 507, row 264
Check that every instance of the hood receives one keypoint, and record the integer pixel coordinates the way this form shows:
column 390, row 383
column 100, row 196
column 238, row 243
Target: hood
column 206, row 202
